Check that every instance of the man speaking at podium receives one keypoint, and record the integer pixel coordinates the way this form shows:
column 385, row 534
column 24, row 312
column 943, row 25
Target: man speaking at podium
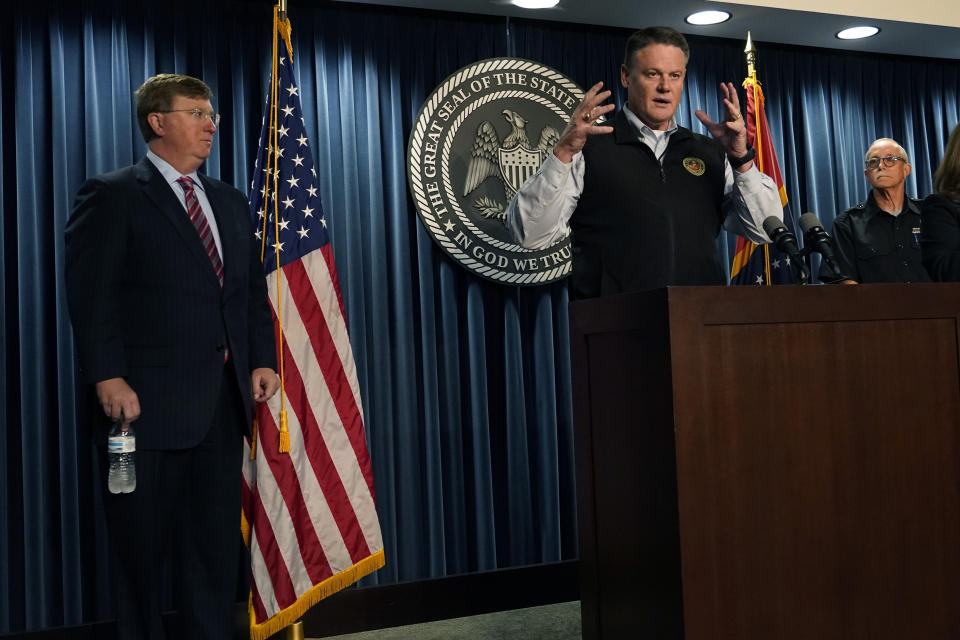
column 644, row 198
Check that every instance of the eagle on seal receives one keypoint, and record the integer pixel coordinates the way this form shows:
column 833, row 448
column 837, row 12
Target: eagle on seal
column 512, row 161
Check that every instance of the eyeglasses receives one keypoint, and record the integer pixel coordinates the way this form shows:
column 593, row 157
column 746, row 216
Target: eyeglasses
column 198, row 114
column 887, row 161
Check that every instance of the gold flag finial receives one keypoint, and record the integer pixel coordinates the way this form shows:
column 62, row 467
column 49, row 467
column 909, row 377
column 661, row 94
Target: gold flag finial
column 751, row 56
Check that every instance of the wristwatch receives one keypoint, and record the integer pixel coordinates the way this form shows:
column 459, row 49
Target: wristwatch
column 744, row 159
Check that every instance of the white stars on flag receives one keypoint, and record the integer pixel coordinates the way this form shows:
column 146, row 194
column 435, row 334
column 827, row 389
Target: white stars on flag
column 321, row 520
column 287, row 182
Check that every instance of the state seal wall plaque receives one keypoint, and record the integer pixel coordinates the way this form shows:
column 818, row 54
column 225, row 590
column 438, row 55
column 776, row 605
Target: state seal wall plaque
column 479, row 136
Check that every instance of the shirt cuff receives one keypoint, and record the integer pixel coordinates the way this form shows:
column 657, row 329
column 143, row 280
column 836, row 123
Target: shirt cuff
column 556, row 171
column 751, row 180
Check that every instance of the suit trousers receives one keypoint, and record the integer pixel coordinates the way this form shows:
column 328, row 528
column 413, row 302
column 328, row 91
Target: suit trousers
column 182, row 521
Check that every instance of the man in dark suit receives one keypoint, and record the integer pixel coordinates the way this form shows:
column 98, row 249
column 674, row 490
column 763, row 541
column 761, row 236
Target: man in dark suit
column 173, row 331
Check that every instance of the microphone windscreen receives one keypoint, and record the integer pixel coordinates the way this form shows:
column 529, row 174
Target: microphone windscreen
column 809, row 221
column 771, row 225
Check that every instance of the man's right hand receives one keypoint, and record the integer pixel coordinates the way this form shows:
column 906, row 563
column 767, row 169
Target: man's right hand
column 581, row 124
column 118, row 400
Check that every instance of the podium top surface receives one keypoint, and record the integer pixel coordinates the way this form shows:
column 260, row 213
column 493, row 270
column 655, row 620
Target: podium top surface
column 773, row 304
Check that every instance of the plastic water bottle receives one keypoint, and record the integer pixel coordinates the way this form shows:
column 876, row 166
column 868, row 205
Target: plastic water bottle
column 122, row 452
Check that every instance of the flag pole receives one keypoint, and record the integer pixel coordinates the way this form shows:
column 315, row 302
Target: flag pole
column 295, row 630
column 754, row 86
column 750, row 84
column 279, row 21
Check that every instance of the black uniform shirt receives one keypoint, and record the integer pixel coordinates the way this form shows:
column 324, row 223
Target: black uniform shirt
column 874, row 246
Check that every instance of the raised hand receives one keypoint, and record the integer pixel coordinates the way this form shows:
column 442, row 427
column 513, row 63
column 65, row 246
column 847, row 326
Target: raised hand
column 581, row 124
column 732, row 130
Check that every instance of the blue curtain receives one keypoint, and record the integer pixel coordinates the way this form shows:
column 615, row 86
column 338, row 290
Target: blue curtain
column 466, row 384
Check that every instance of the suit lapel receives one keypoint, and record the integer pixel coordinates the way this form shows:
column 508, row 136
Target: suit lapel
column 156, row 190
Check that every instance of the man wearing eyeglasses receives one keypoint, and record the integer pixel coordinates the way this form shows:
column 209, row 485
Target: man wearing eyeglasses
column 174, row 335
column 879, row 239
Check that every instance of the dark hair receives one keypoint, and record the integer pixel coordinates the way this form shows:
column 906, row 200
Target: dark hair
column 946, row 179
column 158, row 93
column 654, row 35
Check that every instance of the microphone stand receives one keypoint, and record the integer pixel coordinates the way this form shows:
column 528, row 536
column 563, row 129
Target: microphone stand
column 812, row 248
column 800, row 266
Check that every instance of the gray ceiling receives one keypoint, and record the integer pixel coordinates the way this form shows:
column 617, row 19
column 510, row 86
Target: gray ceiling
column 766, row 24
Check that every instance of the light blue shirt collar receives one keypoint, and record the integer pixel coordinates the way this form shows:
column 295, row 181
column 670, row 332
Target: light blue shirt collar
column 656, row 140
column 643, row 129
column 170, row 174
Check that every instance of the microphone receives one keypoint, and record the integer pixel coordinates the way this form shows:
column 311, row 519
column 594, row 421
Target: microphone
column 818, row 240
column 786, row 242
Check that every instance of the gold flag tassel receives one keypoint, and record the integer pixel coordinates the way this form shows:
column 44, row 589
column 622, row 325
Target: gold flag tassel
column 284, row 433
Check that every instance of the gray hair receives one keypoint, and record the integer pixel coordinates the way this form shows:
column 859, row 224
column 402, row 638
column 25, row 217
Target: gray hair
column 903, row 152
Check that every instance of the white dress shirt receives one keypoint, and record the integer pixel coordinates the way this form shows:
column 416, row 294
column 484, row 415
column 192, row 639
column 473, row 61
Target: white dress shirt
column 539, row 214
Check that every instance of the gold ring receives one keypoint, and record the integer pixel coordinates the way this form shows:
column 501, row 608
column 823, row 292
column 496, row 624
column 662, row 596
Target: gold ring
column 736, row 116
column 586, row 116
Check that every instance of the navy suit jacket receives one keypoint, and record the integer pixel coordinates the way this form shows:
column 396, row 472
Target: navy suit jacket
column 146, row 304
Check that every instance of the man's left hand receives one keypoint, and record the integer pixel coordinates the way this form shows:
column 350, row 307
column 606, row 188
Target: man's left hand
column 732, row 131
column 264, row 382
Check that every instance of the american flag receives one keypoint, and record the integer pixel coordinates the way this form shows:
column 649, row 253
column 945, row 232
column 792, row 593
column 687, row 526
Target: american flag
column 309, row 516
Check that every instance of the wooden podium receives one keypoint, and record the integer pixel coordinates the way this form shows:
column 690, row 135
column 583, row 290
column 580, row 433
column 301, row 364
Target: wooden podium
column 769, row 463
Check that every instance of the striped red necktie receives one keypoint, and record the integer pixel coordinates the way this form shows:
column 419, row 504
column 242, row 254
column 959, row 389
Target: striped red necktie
column 202, row 226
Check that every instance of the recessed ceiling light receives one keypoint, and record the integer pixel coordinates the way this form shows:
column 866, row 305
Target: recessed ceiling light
column 707, row 17
column 855, row 33
column 535, row 4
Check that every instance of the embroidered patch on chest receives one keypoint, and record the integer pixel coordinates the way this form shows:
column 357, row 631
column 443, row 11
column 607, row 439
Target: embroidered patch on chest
column 694, row 166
